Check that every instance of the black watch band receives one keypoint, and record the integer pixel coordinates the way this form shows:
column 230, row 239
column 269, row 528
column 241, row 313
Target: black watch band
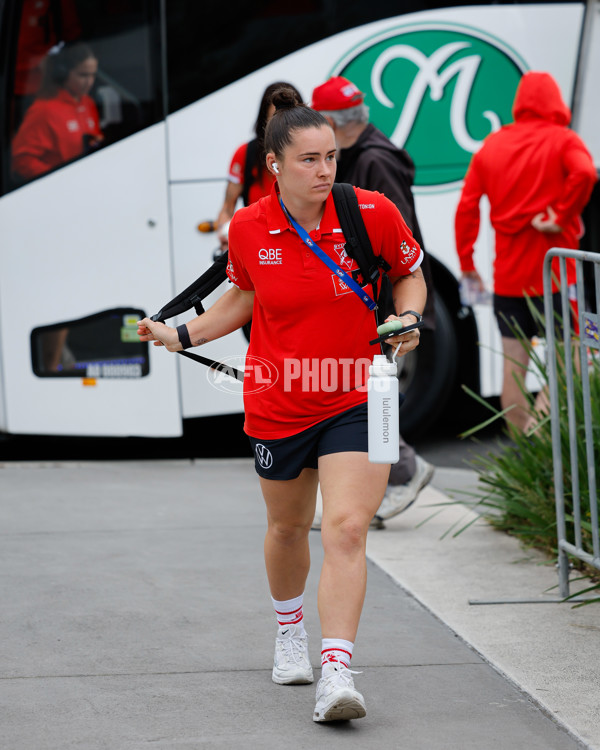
column 184, row 336
column 417, row 315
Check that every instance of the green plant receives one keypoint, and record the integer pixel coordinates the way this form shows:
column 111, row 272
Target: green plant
column 516, row 485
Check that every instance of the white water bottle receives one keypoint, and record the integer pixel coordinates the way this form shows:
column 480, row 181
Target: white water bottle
column 382, row 389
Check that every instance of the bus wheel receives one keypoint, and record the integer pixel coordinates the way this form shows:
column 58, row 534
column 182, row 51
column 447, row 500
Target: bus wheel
column 428, row 374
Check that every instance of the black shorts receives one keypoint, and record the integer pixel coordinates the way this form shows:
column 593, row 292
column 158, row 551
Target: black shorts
column 514, row 313
column 287, row 457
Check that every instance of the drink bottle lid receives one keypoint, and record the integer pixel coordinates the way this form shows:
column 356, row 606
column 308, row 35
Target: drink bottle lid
column 382, row 366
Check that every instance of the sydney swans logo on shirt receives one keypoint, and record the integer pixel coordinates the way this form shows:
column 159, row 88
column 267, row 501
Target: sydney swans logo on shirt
column 231, row 271
column 344, row 260
column 436, row 89
column 409, row 254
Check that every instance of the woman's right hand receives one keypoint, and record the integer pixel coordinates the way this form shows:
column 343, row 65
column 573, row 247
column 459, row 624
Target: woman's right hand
column 159, row 333
column 223, row 235
column 546, row 222
column 476, row 278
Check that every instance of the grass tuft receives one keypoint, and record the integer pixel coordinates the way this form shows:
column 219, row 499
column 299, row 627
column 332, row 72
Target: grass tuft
column 515, row 490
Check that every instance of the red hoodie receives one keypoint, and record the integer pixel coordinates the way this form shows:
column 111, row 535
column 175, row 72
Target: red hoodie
column 523, row 168
column 52, row 133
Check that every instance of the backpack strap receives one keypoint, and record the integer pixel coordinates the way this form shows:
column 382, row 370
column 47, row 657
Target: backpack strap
column 213, row 364
column 358, row 244
column 251, row 155
column 195, row 292
column 192, row 297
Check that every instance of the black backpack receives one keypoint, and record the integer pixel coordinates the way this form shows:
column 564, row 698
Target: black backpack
column 358, row 247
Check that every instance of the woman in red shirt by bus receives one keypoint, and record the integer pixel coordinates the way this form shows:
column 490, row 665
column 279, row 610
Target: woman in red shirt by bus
column 310, row 425
column 62, row 123
column 249, row 177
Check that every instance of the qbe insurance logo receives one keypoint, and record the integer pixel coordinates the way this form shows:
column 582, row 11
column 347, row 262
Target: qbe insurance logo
column 437, row 90
column 258, row 373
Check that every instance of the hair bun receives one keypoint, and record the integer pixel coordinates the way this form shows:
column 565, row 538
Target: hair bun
column 285, row 98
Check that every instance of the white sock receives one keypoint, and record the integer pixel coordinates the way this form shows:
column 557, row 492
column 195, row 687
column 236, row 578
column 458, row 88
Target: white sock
column 336, row 650
column 289, row 612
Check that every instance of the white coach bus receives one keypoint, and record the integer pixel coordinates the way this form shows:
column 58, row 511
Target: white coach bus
column 99, row 241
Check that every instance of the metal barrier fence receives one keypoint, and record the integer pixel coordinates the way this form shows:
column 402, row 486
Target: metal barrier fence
column 569, row 363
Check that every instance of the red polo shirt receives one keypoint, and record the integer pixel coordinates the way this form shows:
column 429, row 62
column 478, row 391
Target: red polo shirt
column 309, row 349
column 261, row 184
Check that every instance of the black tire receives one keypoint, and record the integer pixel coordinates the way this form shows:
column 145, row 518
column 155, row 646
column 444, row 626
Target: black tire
column 428, row 375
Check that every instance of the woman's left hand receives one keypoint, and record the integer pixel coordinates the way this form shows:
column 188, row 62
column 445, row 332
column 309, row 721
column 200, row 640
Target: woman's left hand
column 408, row 341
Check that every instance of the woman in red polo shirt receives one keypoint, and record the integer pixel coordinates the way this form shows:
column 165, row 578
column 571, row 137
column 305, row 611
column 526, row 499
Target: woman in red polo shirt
column 311, row 424
column 62, row 123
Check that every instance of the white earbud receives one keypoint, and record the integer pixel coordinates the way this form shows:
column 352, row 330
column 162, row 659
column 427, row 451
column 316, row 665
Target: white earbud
column 275, row 167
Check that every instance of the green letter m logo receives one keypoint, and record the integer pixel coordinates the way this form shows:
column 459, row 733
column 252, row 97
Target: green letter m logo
column 437, row 90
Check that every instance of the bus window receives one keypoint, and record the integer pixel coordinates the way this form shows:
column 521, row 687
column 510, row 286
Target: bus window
column 210, row 45
column 81, row 76
column 104, row 345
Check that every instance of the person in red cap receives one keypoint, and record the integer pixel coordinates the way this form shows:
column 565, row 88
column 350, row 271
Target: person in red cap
column 335, row 94
column 538, row 175
column 368, row 159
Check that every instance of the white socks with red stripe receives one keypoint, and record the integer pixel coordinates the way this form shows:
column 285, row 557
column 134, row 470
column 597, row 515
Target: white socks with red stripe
column 334, row 650
column 289, row 613
column 290, row 620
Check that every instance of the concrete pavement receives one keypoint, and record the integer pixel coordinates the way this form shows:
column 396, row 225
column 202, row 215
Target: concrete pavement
column 135, row 613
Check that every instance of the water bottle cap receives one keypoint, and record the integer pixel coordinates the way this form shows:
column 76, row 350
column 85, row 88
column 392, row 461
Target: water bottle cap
column 382, row 366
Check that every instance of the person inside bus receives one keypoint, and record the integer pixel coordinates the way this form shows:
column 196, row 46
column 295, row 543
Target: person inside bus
column 43, row 24
column 538, row 175
column 62, row 123
column 303, row 432
column 248, row 177
column 368, row 159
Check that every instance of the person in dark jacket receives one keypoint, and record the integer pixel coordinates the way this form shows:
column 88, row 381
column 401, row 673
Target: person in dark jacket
column 368, row 159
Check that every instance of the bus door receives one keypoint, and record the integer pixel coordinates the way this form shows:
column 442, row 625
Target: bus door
column 84, row 217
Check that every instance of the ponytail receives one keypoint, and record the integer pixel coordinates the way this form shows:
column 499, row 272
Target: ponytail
column 291, row 114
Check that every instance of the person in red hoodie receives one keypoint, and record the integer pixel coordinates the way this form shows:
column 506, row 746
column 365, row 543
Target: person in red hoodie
column 63, row 122
column 538, row 175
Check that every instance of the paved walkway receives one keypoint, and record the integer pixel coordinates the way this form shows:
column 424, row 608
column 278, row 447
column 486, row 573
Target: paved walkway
column 135, row 613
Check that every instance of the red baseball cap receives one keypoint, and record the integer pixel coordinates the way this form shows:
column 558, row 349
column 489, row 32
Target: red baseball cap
column 336, row 93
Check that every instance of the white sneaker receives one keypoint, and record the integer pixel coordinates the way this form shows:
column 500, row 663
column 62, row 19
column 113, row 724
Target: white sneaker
column 399, row 497
column 291, row 663
column 337, row 699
